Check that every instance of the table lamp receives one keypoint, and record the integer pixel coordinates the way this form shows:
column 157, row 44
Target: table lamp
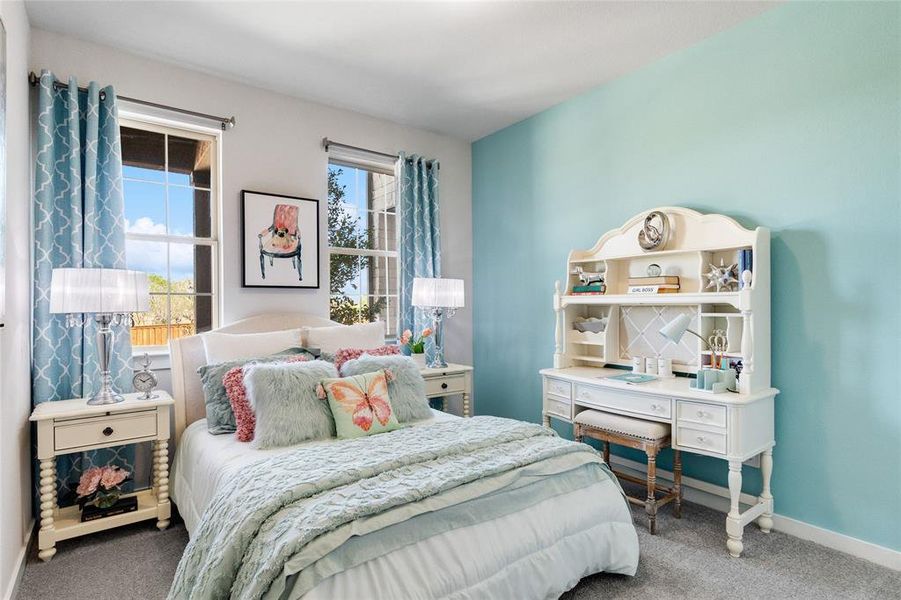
column 440, row 298
column 111, row 295
column 675, row 329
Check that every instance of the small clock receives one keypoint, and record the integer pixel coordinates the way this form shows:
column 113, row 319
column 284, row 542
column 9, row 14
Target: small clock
column 654, row 270
column 145, row 380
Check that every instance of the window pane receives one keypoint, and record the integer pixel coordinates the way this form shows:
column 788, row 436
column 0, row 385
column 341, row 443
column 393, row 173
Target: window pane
column 390, row 231
column 203, row 317
column 183, row 317
column 143, row 154
column 149, row 257
column 382, row 191
column 145, row 207
column 377, row 309
column 343, row 309
column 181, row 268
column 151, row 328
column 189, row 162
column 189, row 212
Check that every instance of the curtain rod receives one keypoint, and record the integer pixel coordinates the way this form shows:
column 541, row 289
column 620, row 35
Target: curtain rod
column 224, row 122
column 326, row 143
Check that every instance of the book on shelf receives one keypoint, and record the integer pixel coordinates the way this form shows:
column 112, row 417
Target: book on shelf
column 660, row 280
column 648, row 290
column 122, row 506
column 745, row 263
column 593, row 287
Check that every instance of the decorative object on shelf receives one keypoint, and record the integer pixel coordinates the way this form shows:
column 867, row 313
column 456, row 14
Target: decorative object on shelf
column 591, row 325
column 650, row 290
column 723, row 278
column 665, row 367
column 280, row 227
column 145, row 380
column 101, row 486
column 440, row 298
column 715, row 381
column 650, row 365
column 111, row 295
column 745, row 263
column 655, row 232
column 638, row 364
column 588, row 277
column 718, row 343
column 654, row 270
column 416, row 345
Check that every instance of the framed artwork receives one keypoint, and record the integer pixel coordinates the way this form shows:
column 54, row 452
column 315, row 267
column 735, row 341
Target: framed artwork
column 280, row 240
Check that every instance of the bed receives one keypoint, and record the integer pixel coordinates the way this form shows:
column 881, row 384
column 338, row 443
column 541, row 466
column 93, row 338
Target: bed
column 532, row 531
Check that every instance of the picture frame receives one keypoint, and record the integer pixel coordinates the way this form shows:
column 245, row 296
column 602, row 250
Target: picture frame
column 279, row 241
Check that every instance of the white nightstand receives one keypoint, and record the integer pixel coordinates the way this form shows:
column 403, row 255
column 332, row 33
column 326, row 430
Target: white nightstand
column 448, row 381
column 71, row 426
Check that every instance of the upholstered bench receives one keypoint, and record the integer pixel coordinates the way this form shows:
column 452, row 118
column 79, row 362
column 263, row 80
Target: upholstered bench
column 648, row 436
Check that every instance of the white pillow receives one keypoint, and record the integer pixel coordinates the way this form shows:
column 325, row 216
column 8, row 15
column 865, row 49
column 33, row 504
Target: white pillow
column 224, row 347
column 331, row 339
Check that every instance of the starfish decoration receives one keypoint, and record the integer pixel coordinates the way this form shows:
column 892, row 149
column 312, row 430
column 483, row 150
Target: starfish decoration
column 721, row 277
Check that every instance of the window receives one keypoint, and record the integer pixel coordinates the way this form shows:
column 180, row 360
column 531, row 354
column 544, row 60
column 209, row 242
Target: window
column 362, row 237
column 169, row 183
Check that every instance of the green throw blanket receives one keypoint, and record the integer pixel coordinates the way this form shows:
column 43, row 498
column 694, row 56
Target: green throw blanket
column 277, row 507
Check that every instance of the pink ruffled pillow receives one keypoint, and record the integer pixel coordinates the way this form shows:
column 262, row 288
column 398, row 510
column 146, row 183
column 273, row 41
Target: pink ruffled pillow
column 245, row 420
column 345, row 354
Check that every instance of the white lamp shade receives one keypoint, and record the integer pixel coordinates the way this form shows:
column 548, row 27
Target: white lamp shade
column 436, row 292
column 98, row 291
column 675, row 329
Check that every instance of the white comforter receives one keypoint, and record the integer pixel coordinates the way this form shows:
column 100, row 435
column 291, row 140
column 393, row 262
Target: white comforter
column 539, row 552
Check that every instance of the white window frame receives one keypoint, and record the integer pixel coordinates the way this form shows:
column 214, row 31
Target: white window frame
column 214, row 136
column 395, row 254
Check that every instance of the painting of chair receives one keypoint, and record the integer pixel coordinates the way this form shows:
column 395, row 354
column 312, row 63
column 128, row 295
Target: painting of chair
column 281, row 239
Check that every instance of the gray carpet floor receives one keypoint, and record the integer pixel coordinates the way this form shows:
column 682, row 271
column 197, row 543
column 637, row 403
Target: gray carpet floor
column 687, row 559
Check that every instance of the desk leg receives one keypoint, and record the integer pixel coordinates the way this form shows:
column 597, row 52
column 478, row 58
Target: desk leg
column 46, row 541
column 734, row 527
column 546, row 420
column 765, row 521
column 465, row 404
column 161, row 480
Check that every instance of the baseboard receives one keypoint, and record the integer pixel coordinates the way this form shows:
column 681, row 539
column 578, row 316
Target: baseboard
column 717, row 497
column 19, row 570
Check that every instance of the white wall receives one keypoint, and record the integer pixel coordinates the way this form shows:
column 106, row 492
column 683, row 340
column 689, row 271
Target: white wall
column 276, row 147
column 15, row 378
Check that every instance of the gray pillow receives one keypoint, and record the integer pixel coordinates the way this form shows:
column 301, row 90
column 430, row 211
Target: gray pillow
column 219, row 416
column 407, row 391
column 288, row 410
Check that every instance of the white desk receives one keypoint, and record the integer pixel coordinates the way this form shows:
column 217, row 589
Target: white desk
column 730, row 426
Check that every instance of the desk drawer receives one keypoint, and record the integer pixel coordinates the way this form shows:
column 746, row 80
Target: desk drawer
column 560, row 388
column 105, row 430
column 558, row 408
column 624, row 401
column 704, row 414
column 703, row 440
column 450, row 384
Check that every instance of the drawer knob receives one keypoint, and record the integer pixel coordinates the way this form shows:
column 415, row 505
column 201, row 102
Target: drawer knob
column 108, row 431
column 702, row 439
column 444, row 385
column 701, row 414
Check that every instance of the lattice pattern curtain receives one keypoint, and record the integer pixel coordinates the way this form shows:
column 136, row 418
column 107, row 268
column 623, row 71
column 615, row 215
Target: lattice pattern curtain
column 416, row 179
column 79, row 221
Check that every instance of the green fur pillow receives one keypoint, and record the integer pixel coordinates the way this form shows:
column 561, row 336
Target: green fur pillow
column 407, row 390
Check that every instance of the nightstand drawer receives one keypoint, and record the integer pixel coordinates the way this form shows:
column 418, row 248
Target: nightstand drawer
column 705, row 414
column 703, row 440
column 559, row 388
column 451, row 384
column 104, row 430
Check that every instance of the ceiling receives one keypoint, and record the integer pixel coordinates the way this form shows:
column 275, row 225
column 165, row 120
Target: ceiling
column 464, row 69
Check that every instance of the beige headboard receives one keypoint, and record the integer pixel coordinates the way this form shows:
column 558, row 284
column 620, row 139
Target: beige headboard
column 187, row 355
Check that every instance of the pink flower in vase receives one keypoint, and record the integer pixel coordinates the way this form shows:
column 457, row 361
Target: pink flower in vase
column 89, row 481
column 112, row 477
column 405, row 337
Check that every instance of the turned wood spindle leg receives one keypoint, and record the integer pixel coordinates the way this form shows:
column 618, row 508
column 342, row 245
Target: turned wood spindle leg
column 46, row 543
column 765, row 521
column 733, row 519
column 465, row 405
column 607, row 452
column 444, row 404
column 651, row 502
column 677, row 483
column 161, row 477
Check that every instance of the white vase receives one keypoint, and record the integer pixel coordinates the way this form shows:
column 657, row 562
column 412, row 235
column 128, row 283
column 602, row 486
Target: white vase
column 419, row 359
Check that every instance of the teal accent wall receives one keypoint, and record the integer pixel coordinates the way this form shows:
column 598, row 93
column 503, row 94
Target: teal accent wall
column 791, row 121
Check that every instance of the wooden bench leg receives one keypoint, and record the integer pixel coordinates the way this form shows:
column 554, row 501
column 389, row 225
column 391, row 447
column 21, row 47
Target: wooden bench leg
column 577, row 432
column 651, row 502
column 677, row 483
column 607, row 452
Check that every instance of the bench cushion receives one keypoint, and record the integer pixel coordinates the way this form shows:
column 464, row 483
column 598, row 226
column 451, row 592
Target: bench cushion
column 646, row 430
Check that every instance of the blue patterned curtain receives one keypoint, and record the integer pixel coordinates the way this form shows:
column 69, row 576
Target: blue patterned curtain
column 420, row 242
column 79, row 221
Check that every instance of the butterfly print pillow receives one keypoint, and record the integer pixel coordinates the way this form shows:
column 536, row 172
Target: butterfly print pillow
column 360, row 404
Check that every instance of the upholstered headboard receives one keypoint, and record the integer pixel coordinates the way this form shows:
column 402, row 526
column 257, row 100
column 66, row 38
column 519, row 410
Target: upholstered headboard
column 187, row 355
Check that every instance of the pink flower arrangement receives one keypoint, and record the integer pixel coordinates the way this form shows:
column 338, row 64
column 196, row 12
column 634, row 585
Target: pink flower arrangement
column 417, row 345
column 100, row 480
